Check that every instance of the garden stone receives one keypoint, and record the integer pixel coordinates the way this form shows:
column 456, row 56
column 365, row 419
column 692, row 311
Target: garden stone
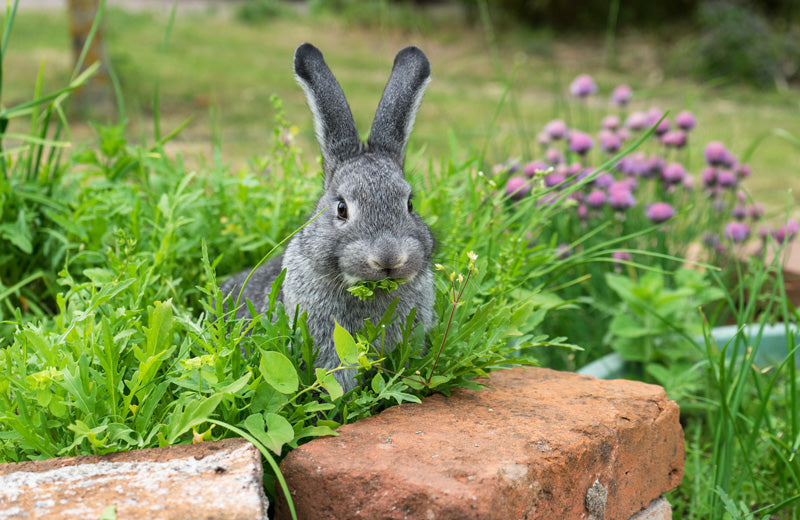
column 535, row 444
column 209, row 480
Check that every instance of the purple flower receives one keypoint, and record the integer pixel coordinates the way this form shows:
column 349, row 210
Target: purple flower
column 580, row 142
column 736, row 232
column 637, row 121
column 605, row 180
column 596, row 198
column 583, row 86
column 543, row 138
column 653, row 116
column 574, row 169
column 739, row 212
column 655, row 165
column 621, row 95
column 609, row 142
column 619, row 257
column 517, row 187
column 688, row 182
column 623, row 133
column 563, row 251
column 583, row 211
column 611, row 122
column 727, row 179
column 787, row 232
column 556, row 129
column 554, row 156
column 685, row 120
column 660, row 212
column 533, row 167
column 715, row 153
column 674, row 139
column 709, row 177
column 742, row 170
column 673, row 173
column 634, row 164
column 555, row 178
column 620, row 197
column 756, row 211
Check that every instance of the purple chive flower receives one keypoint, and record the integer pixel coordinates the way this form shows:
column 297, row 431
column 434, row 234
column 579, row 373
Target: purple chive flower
column 609, row 142
column 756, row 211
column 736, row 232
column 583, row 212
column 580, row 142
column 637, row 121
column 517, row 187
column 543, row 138
column 660, row 212
column 673, row 173
column 685, row 120
column 655, row 165
column 621, row 95
column 634, row 164
column 611, row 122
column 563, row 251
column 533, row 167
column 739, row 212
column 583, row 86
column 688, row 182
column 619, row 257
column 554, row 156
column 556, row 129
column 715, row 153
column 709, row 177
column 623, row 133
column 605, row 180
column 596, row 198
column 727, row 179
column 787, row 232
column 653, row 115
column 554, row 178
column 620, row 197
column 710, row 240
column 742, row 170
column 674, row 139
column 574, row 169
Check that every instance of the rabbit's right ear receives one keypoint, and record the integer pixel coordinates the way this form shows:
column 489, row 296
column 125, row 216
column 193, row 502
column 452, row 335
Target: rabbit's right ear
column 333, row 122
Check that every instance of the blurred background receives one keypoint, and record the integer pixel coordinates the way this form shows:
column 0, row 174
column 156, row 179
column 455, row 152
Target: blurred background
column 501, row 70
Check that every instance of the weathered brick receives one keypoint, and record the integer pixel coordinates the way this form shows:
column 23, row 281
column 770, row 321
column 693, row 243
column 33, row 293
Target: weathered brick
column 531, row 446
column 210, row 480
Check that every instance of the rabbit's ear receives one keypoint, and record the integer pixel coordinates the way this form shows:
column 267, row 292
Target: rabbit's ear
column 333, row 122
column 394, row 118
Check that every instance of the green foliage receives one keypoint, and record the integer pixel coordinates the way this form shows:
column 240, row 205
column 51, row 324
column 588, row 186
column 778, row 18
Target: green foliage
column 365, row 289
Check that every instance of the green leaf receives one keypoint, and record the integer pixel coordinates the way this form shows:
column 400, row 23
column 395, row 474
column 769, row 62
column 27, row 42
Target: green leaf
column 271, row 429
column 346, row 346
column 159, row 320
column 329, row 383
column 279, row 372
column 193, row 413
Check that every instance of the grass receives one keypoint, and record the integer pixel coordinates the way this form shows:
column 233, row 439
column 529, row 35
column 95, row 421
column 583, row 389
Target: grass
column 225, row 82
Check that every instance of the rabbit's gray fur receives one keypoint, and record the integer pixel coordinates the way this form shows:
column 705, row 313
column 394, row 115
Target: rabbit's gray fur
column 379, row 238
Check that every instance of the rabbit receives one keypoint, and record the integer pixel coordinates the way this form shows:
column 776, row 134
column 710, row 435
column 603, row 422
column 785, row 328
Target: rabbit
column 366, row 228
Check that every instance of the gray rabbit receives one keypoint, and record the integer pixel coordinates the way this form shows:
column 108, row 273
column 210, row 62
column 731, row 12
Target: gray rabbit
column 367, row 229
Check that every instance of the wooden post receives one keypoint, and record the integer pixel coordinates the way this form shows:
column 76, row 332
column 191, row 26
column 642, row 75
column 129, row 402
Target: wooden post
column 96, row 97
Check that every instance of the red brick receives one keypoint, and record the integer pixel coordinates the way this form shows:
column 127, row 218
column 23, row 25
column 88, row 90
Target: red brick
column 529, row 447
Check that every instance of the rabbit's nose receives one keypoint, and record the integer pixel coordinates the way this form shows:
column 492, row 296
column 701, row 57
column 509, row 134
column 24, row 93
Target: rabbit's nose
column 387, row 261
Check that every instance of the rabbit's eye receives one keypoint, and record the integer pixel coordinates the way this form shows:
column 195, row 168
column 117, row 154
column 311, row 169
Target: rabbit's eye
column 341, row 209
column 410, row 205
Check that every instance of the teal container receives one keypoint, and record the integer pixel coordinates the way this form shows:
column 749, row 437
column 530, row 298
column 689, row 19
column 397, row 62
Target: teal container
column 771, row 349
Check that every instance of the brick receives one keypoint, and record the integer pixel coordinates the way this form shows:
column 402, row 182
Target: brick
column 210, row 480
column 537, row 444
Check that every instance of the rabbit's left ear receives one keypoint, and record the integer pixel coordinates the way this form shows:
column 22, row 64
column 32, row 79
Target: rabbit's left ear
column 397, row 110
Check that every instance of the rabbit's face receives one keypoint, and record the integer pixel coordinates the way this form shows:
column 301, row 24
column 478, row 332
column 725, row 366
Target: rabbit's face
column 370, row 228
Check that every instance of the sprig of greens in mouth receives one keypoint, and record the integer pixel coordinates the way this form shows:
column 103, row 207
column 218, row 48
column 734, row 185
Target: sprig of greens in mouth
column 365, row 289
